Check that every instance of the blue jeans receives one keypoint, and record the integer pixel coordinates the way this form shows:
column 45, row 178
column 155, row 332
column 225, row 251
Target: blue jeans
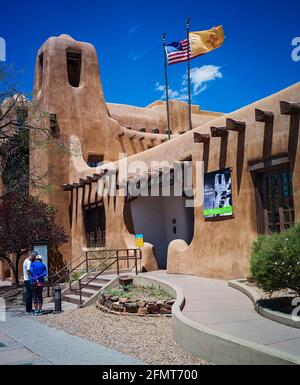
column 37, row 295
column 28, row 296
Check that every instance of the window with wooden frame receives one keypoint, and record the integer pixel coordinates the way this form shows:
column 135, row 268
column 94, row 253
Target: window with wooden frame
column 95, row 227
column 274, row 195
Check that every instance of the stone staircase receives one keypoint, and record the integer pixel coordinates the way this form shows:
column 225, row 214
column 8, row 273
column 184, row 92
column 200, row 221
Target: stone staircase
column 89, row 292
column 98, row 266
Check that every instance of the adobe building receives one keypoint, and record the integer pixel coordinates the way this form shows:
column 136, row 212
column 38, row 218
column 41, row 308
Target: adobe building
column 256, row 148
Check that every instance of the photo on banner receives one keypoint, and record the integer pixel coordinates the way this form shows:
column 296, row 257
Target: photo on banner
column 218, row 194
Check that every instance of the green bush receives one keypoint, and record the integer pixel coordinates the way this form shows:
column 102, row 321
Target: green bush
column 275, row 261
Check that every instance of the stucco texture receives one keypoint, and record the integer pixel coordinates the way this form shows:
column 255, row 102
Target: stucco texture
column 219, row 249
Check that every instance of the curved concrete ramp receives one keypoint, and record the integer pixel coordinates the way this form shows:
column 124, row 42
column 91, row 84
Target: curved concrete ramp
column 219, row 324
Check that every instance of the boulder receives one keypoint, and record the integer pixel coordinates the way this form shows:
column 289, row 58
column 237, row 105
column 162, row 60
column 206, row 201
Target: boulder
column 131, row 307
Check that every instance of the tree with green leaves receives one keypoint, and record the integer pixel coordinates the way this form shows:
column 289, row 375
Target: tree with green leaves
column 23, row 223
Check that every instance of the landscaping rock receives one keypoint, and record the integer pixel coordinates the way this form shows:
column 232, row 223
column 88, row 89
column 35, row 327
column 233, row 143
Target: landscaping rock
column 164, row 311
column 142, row 311
column 153, row 309
column 125, row 281
column 131, row 307
column 141, row 304
column 117, row 307
column 123, row 300
column 114, row 298
column 171, row 302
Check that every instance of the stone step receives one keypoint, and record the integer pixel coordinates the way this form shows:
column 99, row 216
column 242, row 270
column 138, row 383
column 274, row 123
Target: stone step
column 98, row 280
column 94, row 286
column 89, row 291
column 85, row 292
column 73, row 298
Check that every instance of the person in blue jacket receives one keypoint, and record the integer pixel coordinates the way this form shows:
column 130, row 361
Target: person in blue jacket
column 38, row 272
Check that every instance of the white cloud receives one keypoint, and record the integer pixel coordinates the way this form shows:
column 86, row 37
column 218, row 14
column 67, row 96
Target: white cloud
column 200, row 76
column 173, row 94
column 133, row 29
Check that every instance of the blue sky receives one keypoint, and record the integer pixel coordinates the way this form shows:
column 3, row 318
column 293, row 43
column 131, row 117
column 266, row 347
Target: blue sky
column 254, row 62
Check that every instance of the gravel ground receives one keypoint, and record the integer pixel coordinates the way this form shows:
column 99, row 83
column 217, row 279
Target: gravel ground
column 148, row 339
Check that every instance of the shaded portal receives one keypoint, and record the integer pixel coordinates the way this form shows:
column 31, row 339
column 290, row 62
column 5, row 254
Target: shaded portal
column 161, row 220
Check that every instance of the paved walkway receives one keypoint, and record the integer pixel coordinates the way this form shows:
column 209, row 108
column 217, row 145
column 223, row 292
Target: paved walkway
column 24, row 341
column 214, row 304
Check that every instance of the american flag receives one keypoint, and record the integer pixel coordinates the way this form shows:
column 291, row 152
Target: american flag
column 177, row 52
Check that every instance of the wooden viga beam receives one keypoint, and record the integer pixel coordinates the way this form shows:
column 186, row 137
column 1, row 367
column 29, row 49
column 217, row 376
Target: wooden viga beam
column 218, row 132
column 67, row 187
column 235, row 125
column 264, row 116
column 96, row 177
column 82, row 182
column 287, row 108
column 201, row 138
column 155, row 131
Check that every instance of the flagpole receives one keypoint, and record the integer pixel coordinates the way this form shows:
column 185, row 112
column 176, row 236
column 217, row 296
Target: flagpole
column 167, row 85
column 189, row 72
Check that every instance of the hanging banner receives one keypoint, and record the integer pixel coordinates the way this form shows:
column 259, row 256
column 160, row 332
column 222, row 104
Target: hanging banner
column 139, row 240
column 218, row 194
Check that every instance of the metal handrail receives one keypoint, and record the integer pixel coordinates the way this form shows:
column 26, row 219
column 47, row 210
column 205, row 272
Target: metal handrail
column 67, row 270
column 86, row 260
column 67, row 266
column 117, row 259
column 95, row 268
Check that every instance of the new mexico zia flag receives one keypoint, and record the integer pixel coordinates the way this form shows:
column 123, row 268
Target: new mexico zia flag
column 203, row 42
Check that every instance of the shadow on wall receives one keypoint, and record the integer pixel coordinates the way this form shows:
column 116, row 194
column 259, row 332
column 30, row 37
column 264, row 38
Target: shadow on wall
column 55, row 260
column 161, row 220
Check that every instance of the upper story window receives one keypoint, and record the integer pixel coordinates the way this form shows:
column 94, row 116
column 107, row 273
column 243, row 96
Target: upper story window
column 74, row 68
column 94, row 160
column 41, row 70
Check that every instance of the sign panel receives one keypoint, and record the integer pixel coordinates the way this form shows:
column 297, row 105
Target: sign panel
column 218, row 194
column 139, row 240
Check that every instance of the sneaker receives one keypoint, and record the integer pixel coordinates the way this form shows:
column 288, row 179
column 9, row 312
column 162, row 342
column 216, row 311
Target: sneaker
column 28, row 312
column 36, row 313
column 40, row 312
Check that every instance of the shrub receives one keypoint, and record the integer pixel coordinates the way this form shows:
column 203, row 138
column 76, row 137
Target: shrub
column 275, row 261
